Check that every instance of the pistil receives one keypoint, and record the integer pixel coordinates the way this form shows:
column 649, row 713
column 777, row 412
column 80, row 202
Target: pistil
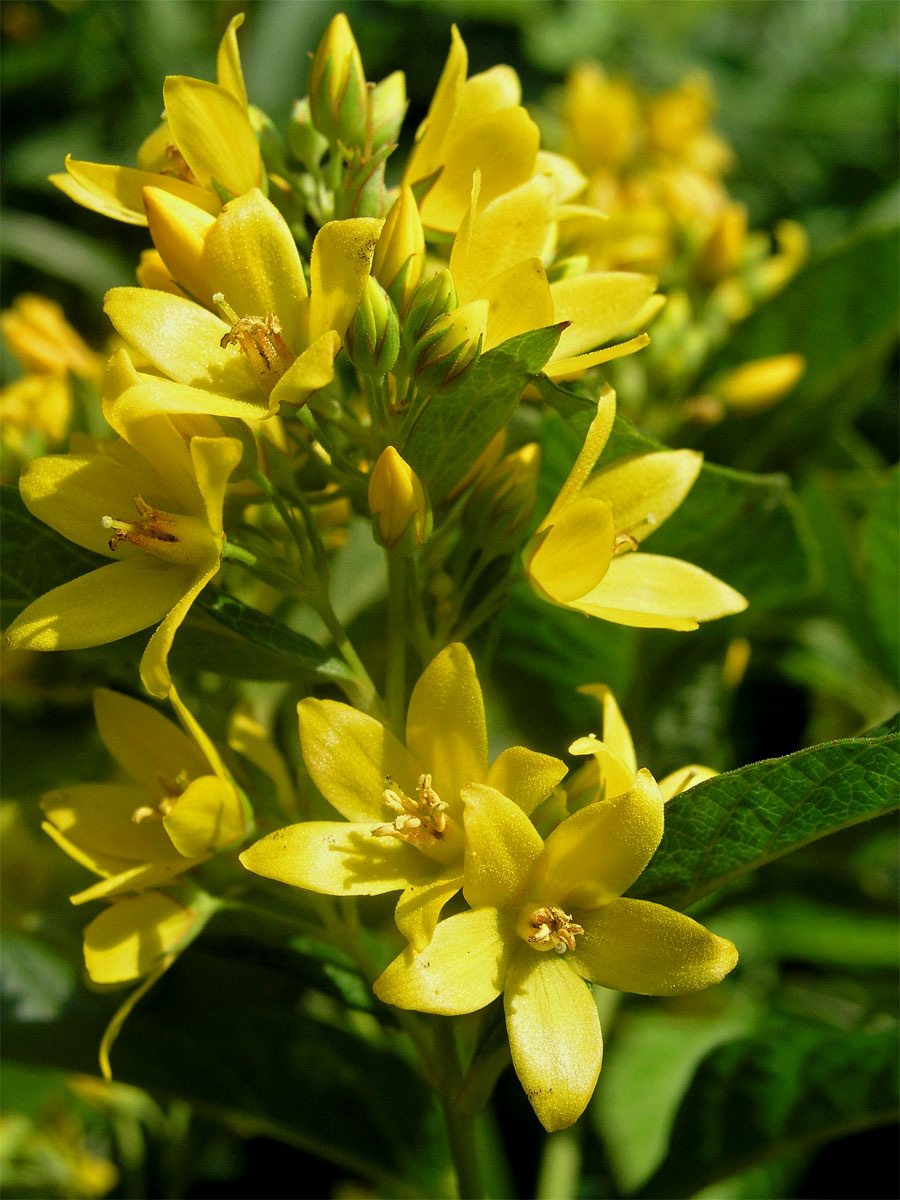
column 261, row 340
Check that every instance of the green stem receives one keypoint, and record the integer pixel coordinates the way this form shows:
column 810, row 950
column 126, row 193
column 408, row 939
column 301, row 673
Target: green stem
column 395, row 685
column 460, row 1124
column 560, row 1167
column 367, row 693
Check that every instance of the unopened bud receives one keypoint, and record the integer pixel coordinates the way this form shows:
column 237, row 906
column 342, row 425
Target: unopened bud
column 722, row 251
column 397, row 501
column 303, row 139
column 337, row 86
column 448, row 346
column 757, row 385
column 400, row 253
column 433, row 299
column 503, row 499
column 387, row 109
column 373, row 335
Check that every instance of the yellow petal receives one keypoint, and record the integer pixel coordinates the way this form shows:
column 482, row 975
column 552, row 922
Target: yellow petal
column 311, row 370
column 514, row 227
column 205, row 817
column 683, row 779
column 577, row 364
column 554, row 1035
column 425, row 157
column 179, row 231
column 614, row 732
column 600, row 305
column 249, row 739
column 117, row 192
column 213, row 132
column 98, row 819
column 462, row 970
column 655, row 592
column 158, row 396
column 525, row 777
column 644, row 489
column 132, row 936
column 445, row 725
column 597, row 437
column 139, row 878
column 97, row 861
column 339, row 267
column 199, row 737
column 419, row 908
column 338, row 858
column 252, row 257
column 502, row 846
column 182, row 340
column 574, row 553
column 598, row 852
column 100, row 607
column 154, row 666
column 604, row 775
column 145, row 744
column 214, row 460
column 228, row 62
column 636, row 946
column 350, row 756
column 518, row 300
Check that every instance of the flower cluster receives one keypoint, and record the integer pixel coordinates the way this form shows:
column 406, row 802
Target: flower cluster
column 305, row 345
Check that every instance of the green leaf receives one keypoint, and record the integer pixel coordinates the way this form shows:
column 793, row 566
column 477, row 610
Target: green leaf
column 736, row 822
column 881, row 547
column 838, row 336
column 453, row 430
column 64, row 253
column 233, row 1037
column 790, row 1087
column 229, row 637
column 35, row 558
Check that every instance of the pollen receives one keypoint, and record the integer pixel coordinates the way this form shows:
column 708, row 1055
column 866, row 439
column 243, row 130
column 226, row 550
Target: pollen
column 421, row 821
column 261, row 340
column 549, row 928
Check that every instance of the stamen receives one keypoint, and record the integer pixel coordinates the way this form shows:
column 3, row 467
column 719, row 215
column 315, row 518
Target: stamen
column 260, row 338
column 170, row 536
column 421, row 821
column 625, row 539
column 550, row 928
column 151, row 523
column 179, row 168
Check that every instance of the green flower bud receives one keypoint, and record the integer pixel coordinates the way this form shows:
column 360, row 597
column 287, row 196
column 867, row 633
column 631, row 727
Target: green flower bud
column 387, row 109
column 373, row 335
column 448, row 346
column 503, row 500
column 304, row 140
column 338, row 96
column 432, row 299
column 400, row 253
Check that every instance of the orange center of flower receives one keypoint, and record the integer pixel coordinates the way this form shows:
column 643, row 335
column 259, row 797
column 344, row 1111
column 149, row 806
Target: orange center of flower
column 179, row 168
column 421, row 821
column 261, row 340
column 549, row 928
column 177, row 539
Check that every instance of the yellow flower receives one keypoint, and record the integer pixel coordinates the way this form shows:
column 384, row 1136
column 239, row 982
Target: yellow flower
column 176, row 807
column 403, row 827
column 205, row 147
column 277, row 341
column 612, row 768
column 585, row 553
column 472, row 124
column 153, row 505
column 38, row 334
column 497, row 258
column 528, row 898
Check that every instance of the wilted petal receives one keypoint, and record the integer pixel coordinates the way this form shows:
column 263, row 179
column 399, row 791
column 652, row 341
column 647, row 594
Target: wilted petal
column 462, row 970
column 554, row 1035
column 636, row 946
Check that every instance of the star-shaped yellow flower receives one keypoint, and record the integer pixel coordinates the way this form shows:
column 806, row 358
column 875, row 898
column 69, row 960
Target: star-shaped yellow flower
column 152, row 504
column 403, row 827
column 545, row 918
column 585, row 553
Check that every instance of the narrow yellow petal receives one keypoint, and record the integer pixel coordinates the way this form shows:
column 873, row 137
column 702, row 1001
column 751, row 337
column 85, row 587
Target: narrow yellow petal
column 636, row 946
column 350, row 757
column 554, row 1035
column 338, row 858
column 683, row 779
column 213, row 132
column 425, row 157
column 140, row 878
column 575, row 551
column 513, row 227
column 128, row 939
column 158, row 396
column 525, row 776
column 228, row 62
column 599, row 305
column 339, row 267
column 597, row 436
column 614, row 731
column 577, row 364
column 462, row 970
column 100, row 607
column 644, row 489
column 145, row 744
column 502, row 846
column 311, row 370
column 655, row 592
column 598, row 852
column 419, row 908
column 154, row 661
column 445, row 725
column 117, row 192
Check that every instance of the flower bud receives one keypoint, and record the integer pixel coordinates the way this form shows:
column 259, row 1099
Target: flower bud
column 432, row 300
column 36, row 331
column 397, row 501
column 503, row 499
column 303, row 139
column 388, row 108
column 757, row 385
column 723, row 249
column 373, row 335
column 337, row 86
column 448, row 346
column 400, row 253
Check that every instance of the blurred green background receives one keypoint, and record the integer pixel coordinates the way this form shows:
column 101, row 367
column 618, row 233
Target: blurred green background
column 807, row 92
